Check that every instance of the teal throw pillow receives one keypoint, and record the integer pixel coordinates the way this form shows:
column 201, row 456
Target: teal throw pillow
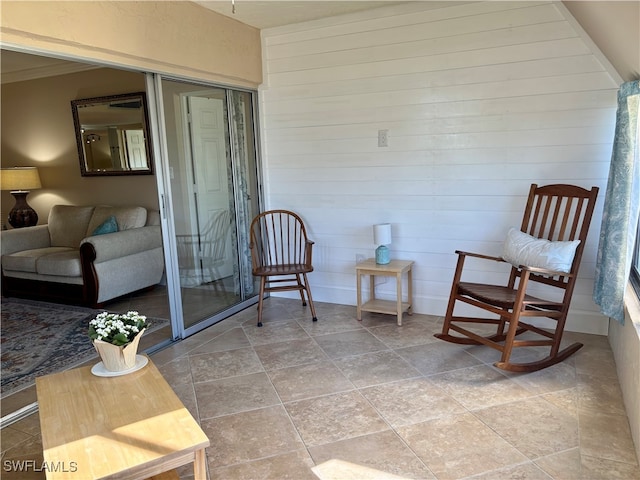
column 110, row 225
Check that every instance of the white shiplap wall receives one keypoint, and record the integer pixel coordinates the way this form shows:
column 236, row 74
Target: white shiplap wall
column 480, row 100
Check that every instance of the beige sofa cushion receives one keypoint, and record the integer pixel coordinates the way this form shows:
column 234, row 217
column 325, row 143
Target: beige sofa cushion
column 64, row 264
column 153, row 217
column 68, row 225
column 27, row 260
column 127, row 217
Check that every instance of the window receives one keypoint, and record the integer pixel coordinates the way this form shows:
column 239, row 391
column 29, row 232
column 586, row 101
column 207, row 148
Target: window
column 635, row 264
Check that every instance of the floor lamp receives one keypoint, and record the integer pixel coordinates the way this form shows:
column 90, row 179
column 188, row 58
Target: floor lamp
column 20, row 180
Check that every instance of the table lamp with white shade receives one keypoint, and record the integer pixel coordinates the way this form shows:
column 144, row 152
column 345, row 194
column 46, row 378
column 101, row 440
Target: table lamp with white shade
column 382, row 237
column 20, row 180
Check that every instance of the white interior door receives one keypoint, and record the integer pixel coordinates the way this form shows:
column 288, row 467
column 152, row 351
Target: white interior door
column 136, row 150
column 211, row 183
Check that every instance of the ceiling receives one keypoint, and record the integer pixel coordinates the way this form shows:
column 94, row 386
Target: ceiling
column 612, row 25
column 268, row 14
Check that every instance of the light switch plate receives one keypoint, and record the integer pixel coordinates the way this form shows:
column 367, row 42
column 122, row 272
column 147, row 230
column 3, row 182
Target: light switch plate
column 383, row 138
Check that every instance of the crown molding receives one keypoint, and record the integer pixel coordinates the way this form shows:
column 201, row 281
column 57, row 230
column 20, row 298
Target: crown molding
column 52, row 70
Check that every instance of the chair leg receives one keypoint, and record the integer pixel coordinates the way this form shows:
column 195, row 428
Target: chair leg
column 308, row 290
column 446, row 325
column 263, row 281
column 301, row 287
column 555, row 354
column 500, row 328
column 557, row 336
column 510, row 337
column 452, row 298
column 448, row 314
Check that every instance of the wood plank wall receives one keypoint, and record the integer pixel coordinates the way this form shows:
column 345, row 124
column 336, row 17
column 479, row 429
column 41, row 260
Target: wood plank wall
column 480, row 100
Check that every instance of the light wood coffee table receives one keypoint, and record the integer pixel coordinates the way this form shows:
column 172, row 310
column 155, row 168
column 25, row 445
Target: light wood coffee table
column 127, row 427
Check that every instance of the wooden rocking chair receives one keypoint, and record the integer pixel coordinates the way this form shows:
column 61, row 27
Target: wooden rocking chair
column 555, row 217
column 281, row 255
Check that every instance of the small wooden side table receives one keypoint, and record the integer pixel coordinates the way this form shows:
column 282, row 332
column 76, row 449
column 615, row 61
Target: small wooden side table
column 395, row 268
column 127, row 427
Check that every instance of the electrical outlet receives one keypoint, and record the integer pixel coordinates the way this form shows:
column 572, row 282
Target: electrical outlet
column 360, row 258
column 383, row 138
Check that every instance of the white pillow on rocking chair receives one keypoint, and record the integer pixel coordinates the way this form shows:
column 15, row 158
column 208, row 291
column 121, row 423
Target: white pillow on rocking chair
column 523, row 249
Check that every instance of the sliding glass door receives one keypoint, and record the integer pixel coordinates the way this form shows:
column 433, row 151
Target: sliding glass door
column 212, row 188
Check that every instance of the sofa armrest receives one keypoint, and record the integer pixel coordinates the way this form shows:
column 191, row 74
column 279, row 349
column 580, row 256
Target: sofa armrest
column 27, row 238
column 120, row 244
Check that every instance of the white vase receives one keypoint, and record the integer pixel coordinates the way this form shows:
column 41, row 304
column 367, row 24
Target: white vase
column 118, row 359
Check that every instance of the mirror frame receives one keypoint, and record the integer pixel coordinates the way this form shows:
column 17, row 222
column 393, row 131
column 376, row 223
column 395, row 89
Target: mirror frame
column 84, row 171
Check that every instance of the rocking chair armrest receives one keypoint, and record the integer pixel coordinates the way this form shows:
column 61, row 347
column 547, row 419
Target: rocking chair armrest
column 545, row 271
column 479, row 255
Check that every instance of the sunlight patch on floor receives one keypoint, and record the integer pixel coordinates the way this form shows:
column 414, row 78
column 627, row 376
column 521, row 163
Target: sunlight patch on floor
column 340, row 470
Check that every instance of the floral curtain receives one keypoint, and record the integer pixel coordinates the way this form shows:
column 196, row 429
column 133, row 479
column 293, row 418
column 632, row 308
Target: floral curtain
column 240, row 102
column 621, row 204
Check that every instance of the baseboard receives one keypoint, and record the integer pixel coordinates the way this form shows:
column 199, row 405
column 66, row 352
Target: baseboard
column 579, row 321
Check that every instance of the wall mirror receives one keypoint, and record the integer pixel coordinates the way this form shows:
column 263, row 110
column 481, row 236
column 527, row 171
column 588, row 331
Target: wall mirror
column 112, row 135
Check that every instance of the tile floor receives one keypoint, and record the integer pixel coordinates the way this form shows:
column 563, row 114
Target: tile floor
column 277, row 400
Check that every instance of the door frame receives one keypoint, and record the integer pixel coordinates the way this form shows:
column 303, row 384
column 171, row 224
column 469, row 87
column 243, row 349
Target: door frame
column 163, row 177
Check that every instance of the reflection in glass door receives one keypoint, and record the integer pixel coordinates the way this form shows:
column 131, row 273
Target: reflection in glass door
column 214, row 195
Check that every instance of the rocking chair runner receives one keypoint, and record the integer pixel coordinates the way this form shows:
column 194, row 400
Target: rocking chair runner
column 281, row 255
column 555, row 215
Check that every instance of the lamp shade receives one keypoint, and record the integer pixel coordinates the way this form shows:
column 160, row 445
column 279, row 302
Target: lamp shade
column 20, row 179
column 382, row 234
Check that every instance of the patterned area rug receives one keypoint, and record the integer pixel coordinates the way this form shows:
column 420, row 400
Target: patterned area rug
column 39, row 338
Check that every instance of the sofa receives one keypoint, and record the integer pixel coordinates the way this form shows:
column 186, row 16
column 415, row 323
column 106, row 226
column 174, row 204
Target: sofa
column 84, row 255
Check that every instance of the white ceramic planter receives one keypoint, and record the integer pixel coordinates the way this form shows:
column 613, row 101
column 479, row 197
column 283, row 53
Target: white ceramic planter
column 118, row 359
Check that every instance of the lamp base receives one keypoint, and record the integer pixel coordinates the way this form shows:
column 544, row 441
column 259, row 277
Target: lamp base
column 22, row 215
column 382, row 255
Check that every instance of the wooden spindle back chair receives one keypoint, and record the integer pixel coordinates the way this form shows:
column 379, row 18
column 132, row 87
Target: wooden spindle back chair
column 281, row 255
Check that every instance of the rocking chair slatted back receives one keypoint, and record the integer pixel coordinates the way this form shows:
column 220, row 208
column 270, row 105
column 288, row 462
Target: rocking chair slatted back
column 566, row 217
column 559, row 213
